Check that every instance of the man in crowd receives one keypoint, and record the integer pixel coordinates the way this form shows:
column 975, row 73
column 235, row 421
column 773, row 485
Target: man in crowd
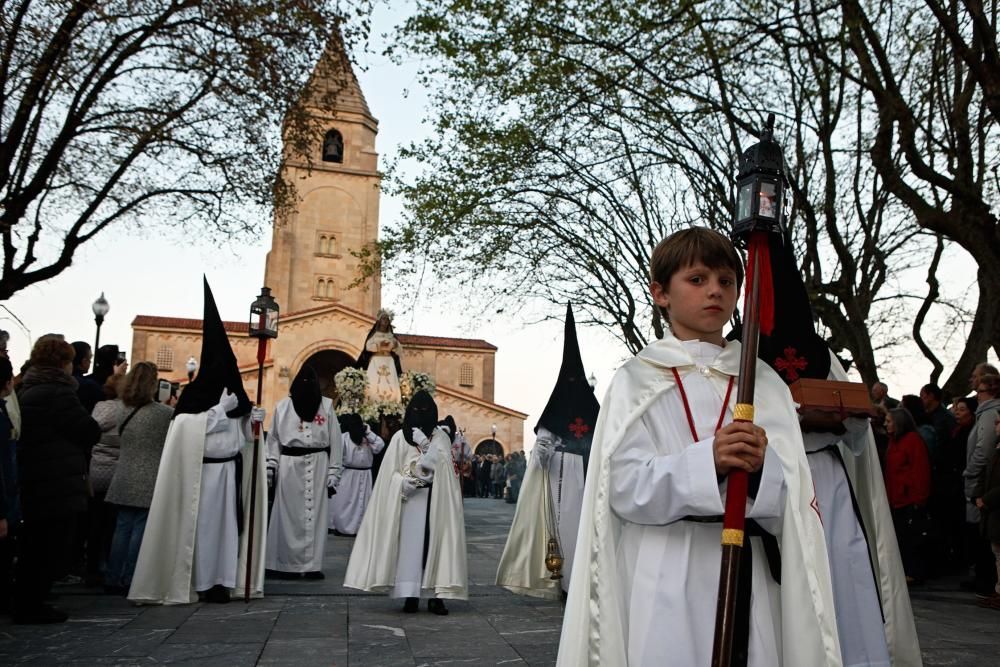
column 880, row 396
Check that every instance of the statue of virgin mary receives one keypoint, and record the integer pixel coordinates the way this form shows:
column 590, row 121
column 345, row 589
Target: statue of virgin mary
column 380, row 359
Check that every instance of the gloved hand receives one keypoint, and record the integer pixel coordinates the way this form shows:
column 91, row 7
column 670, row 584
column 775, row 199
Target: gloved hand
column 408, row 488
column 369, row 436
column 423, row 442
column 270, row 477
column 229, row 402
column 331, row 485
column 257, row 415
column 544, row 446
column 427, row 460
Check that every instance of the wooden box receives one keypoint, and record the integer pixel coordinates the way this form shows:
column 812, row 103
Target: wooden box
column 848, row 398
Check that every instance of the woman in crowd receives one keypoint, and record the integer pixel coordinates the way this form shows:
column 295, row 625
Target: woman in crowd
column 57, row 434
column 949, row 487
column 908, row 486
column 103, row 459
column 143, row 430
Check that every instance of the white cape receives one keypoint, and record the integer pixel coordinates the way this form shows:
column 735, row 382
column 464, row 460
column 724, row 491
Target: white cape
column 865, row 474
column 593, row 631
column 163, row 572
column 372, row 566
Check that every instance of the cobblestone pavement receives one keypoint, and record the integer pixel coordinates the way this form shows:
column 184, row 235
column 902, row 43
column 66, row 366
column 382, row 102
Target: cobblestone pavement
column 307, row 623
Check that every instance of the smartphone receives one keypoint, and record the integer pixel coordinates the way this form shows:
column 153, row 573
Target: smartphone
column 163, row 395
column 175, row 388
column 121, row 357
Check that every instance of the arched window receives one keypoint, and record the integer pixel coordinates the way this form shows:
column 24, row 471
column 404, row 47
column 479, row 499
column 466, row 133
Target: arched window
column 329, row 289
column 465, row 376
column 333, row 147
column 321, row 288
column 324, row 245
column 165, row 359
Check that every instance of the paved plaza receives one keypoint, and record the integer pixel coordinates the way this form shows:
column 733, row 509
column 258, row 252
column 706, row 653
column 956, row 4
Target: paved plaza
column 307, row 623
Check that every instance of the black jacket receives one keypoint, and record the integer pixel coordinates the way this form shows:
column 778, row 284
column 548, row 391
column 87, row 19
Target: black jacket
column 57, row 434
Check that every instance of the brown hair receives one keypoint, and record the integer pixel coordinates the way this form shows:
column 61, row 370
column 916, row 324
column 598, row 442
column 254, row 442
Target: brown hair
column 689, row 246
column 51, row 351
column 991, row 383
column 139, row 385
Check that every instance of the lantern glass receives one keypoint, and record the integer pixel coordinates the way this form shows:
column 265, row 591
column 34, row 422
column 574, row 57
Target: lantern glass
column 100, row 306
column 744, row 208
column 264, row 316
column 768, row 207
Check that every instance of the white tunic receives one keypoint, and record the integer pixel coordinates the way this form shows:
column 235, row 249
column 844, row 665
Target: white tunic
column 347, row 508
column 216, row 547
column 668, row 567
column 297, row 531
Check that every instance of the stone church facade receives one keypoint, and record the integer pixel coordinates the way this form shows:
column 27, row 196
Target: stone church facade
column 328, row 304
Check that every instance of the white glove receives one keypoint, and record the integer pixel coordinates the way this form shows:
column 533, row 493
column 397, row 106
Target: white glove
column 270, row 477
column 543, row 449
column 229, row 402
column 427, row 461
column 423, row 442
column 257, row 415
column 369, row 436
column 407, row 488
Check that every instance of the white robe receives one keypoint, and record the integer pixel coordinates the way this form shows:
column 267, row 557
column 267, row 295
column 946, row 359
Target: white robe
column 645, row 587
column 379, row 547
column 522, row 566
column 170, row 553
column 862, row 596
column 347, row 508
column 296, row 535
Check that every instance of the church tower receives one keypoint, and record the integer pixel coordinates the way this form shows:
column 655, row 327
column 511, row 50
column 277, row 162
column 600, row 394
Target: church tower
column 335, row 194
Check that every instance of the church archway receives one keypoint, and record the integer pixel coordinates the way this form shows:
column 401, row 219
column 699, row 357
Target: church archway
column 489, row 446
column 327, row 363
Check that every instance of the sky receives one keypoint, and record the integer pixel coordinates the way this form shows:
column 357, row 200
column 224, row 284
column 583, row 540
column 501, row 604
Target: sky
column 160, row 275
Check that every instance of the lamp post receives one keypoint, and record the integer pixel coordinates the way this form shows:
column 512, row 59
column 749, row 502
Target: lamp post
column 493, row 436
column 592, row 380
column 263, row 325
column 100, row 308
column 192, row 366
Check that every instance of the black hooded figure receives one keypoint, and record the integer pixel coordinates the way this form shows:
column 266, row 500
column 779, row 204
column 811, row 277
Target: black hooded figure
column 218, row 369
column 571, row 412
column 354, row 426
column 422, row 413
column 305, row 393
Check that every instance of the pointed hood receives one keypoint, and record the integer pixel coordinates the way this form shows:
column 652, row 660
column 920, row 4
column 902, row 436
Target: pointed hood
column 571, row 412
column 305, row 394
column 422, row 413
column 793, row 348
column 218, row 369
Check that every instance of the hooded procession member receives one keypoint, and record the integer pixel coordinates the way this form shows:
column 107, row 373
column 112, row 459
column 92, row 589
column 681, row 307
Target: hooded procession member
column 563, row 437
column 411, row 543
column 648, row 554
column 304, row 462
column 360, row 446
column 196, row 533
column 874, row 618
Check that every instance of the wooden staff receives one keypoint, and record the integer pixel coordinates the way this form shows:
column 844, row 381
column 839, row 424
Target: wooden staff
column 261, row 352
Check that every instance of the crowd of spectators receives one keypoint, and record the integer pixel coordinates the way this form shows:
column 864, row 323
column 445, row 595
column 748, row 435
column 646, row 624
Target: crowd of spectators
column 497, row 476
column 942, row 479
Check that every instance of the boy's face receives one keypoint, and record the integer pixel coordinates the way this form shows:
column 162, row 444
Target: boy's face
column 699, row 301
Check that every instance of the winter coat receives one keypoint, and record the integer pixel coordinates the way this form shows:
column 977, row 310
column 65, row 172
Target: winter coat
column 988, row 489
column 104, row 457
column 907, row 471
column 978, row 452
column 10, row 503
column 139, row 461
column 57, row 434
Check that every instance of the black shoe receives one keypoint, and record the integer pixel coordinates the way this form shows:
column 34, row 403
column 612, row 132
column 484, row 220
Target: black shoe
column 217, row 594
column 436, row 606
column 43, row 615
column 277, row 574
column 411, row 606
column 314, row 575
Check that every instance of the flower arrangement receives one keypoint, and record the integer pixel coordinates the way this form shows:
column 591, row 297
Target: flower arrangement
column 373, row 411
column 351, row 385
column 414, row 381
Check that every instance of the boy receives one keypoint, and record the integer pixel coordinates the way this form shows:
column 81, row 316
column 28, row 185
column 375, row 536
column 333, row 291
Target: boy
column 650, row 529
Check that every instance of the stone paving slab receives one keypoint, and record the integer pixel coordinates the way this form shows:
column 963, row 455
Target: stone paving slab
column 320, row 623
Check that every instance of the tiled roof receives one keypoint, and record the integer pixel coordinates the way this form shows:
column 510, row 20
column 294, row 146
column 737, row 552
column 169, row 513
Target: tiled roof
column 243, row 327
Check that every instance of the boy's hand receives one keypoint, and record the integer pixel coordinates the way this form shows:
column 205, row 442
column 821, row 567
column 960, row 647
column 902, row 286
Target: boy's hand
column 739, row 446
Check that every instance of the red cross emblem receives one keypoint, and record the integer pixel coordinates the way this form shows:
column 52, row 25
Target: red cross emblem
column 790, row 365
column 319, row 419
column 579, row 428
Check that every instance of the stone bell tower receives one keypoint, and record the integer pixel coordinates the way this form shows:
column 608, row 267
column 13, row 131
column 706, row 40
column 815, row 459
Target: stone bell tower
column 312, row 262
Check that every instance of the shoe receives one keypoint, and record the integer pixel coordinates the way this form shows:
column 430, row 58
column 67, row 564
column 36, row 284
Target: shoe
column 315, row 575
column 436, row 606
column 44, row 615
column 990, row 602
column 277, row 574
column 986, row 594
column 217, row 594
column 411, row 606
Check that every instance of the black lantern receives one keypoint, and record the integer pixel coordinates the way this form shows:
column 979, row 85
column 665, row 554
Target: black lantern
column 761, row 186
column 100, row 308
column 264, row 315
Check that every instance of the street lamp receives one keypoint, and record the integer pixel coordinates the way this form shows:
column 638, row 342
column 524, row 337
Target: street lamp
column 592, row 381
column 263, row 325
column 100, row 308
column 192, row 366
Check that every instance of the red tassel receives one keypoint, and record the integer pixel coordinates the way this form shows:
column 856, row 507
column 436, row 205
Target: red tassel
column 759, row 258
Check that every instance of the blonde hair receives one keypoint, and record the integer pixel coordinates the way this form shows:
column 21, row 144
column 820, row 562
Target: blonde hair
column 139, row 385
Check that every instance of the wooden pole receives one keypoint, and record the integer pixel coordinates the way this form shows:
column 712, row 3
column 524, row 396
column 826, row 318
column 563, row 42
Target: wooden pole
column 261, row 351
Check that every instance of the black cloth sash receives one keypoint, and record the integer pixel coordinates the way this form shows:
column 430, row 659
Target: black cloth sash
column 741, row 633
column 427, row 529
column 302, row 451
column 347, row 467
column 237, row 458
